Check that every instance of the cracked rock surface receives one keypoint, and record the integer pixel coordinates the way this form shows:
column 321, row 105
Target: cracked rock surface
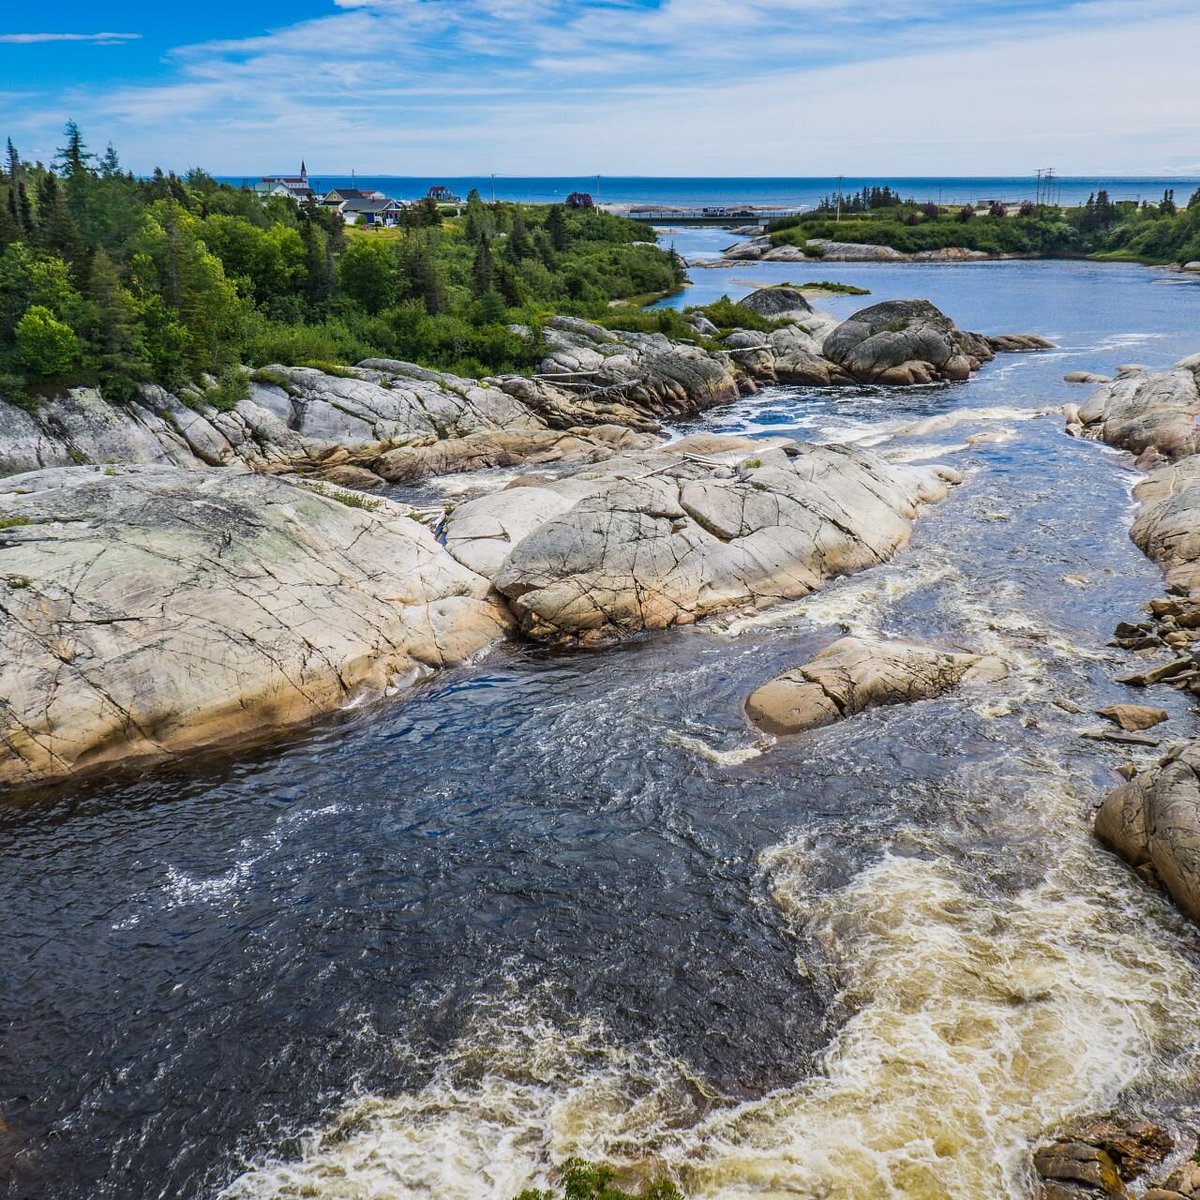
column 1153, row 822
column 1151, row 413
column 663, row 537
column 855, row 674
column 333, row 425
column 146, row 611
column 905, row 342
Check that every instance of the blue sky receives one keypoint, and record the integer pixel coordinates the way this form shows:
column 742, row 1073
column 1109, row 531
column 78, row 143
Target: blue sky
column 651, row 87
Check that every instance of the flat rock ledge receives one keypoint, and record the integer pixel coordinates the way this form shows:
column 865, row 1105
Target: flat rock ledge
column 1153, row 823
column 150, row 611
column 760, row 249
column 664, row 537
column 855, row 674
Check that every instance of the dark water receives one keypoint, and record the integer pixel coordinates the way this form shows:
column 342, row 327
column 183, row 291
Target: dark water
column 557, row 902
column 771, row 192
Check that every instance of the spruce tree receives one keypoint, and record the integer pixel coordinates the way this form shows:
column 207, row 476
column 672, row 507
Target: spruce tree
column 56, row 227
column 518, row 245
column 556, row 227
column 111, row 328
column 24, row 210
column 483, row 269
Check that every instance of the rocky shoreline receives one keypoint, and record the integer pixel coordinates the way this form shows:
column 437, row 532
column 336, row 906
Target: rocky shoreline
column 1153, row 821
column 761, row 249
column 174, row 577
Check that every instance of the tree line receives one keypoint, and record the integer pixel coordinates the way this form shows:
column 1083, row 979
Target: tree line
column 113, row 279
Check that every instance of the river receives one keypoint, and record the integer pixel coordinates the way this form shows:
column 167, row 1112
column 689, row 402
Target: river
column 564, row 902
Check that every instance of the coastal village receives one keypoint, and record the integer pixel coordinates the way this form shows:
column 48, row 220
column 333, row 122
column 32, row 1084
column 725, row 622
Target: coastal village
column 357, row 206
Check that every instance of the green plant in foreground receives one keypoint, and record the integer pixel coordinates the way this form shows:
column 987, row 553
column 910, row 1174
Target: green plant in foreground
column 14, row 522
column 349, row 499
column 591, row 1181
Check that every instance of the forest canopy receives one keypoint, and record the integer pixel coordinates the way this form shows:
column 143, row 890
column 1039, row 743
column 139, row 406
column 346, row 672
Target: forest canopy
column 115, row 280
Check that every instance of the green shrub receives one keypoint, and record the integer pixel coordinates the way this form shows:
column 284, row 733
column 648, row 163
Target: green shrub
column 727, row 315
column 827, row 285
column 344, row 496
column 330, row 368
column 14, row 522
column 588, row 1181
column 44, row 346
column 669, row 321
column 231, row 387
column 270, row 378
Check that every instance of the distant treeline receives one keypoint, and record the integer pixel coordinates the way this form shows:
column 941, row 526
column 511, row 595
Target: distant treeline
column 1161, row 232
column 110, row 279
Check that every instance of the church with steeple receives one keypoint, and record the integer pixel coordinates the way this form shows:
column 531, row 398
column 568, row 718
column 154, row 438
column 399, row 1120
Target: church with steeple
column 290, row 187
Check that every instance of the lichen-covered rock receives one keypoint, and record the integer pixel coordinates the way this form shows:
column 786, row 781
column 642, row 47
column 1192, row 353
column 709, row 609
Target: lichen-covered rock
column 148, row 611
column 905, row 342
column 658, row 538
column 781, row 300
column 645, row 371
column 1147, row 411
column 1153, row 822
column 855, row 674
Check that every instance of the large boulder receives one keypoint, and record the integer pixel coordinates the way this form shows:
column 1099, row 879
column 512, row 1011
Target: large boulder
column 781, row 300
column 1099, row 1159
column 1153, row 822
column 647, row 371
column 1146, row 412
column 148, row 611
column 658, row 538
column 905, row 342
column 855, row 674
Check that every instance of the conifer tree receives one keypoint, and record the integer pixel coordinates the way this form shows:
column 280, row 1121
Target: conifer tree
column 111, row 329
column 556, row 227
column 518, row 245
column 56, row 227
column 483, row 269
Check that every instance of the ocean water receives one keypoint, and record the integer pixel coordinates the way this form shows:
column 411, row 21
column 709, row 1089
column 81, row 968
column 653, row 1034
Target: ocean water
column 772, row 192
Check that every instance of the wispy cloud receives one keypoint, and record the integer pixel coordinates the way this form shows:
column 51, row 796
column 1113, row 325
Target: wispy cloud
column 31, row 39
column 668, row 87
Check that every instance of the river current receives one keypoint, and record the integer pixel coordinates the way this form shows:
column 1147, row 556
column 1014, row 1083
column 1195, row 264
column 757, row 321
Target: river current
column 563, row 902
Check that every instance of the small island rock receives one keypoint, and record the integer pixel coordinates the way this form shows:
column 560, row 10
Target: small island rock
column 855, row 674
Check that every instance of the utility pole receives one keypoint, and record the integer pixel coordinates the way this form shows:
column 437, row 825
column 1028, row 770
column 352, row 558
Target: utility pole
column 493, row 187
column 597, row 189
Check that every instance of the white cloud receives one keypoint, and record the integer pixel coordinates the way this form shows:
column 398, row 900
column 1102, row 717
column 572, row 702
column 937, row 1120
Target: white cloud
column 30, row 39
column 703, row 87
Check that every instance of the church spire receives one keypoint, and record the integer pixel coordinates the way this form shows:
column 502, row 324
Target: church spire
column 303, row 171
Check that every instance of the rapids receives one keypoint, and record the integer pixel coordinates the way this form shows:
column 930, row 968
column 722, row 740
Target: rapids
column 569, row 903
